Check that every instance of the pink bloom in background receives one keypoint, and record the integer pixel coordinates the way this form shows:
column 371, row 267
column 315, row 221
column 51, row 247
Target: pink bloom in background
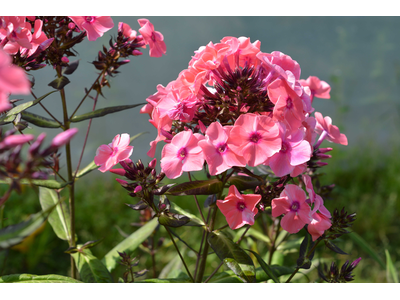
column 216, row 150
column 12, row 80
column 327, row 130
column 239, row 209
column 292, row 203
column 95, row 26
column 127, row 31
column 154, row 39
column 176, row 107
column 64, row 137
column 255, row 137
column 16, row 140
column 295, row 151
column 182, row 154
column 319, row 88
column 314, row 198
column 318, row 225
column 109, row 155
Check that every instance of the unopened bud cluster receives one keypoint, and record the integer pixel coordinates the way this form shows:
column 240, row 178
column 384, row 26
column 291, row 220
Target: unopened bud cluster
column 334, row 275
column 340, row 222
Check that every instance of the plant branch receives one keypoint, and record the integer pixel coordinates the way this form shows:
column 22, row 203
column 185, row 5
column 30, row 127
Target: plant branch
column 197, row 204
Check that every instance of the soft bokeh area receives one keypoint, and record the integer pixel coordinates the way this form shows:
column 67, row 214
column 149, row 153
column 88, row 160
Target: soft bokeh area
column 357, row 56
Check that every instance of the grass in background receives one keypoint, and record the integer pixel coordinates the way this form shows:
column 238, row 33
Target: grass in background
column 367, row 182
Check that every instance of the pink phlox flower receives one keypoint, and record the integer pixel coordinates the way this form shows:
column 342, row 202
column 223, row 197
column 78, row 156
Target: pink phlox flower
column 318, row 225
column 95, row 26
column 292, row 203
column 14, row 29
column 239, row 209
column 127, row 31
column 182, row 154
column 12, row 80
column 162, row 124
column 109, row 155
column 155, row 98
column 309, row 129
column 295, row 151
column 38, row 36
column 154, row 39
column 306, row 98
column 209, row 57
column 241, row 51
column 332, row 132
column 288, row 105
column 255, row 138
column 177, row 107
column 319, row 88
column 217, row 153
column 315, row 199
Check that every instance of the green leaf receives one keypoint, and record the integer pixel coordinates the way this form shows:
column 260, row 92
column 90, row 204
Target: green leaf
column 304, row 262
column 233, row 256
column 39, row 120
column 59, row 218
column 173, row 268
column 244, row 182
column 102, row 112
column 200, row 187
column 267, row 269
column 10, row 115
column 138, row 206
column 172, row 220
column 129, row 244
column 59, row 83
column 194, row 221
column 167, row 280
column 15, row 234
column 92, row 166
column 391, row 273
column 28, row 278
column 333, row 247
column 365, row 247
column 51, row 184
column 278, row 271
column 72, row 66
column 254, row 233
column 90, row 268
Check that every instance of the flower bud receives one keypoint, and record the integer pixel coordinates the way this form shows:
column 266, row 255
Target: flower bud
column 65, row 59
column 122, row 182
column 34, row 148
column 71, row 25
column 153, row 163
column 15, row 140
column 64, row 137
column 138, row 189
column 120, row 172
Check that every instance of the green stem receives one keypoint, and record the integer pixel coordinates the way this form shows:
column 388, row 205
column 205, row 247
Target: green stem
column 180, row 255
column 71, row 186
column 307, row 256
column 1, row 216
column 201, row 246
column 214, row 272
column 197, row 203
column 274, row 236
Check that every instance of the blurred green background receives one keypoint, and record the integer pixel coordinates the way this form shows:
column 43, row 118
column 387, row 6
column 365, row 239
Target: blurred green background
column 357, row 56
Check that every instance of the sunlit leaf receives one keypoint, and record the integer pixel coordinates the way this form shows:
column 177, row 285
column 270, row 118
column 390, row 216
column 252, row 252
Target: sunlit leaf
column 367, row 248
column 129, row 244
column 244, row 182
column 194, row 220
column 233, row 256
column 59, row 218
column 391, row 273
column 90, row 268
column 39, row 120
column 59, row 83
column 28, row 278
column 267, row 269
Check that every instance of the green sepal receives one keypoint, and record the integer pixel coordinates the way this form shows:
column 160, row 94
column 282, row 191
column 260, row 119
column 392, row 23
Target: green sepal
column 59, row 83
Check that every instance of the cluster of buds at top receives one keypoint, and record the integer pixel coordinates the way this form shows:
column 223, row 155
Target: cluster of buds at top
column 334, row 275
column 129, row 276
column 12, row 166
column 145, row 179
column 340, row 221
column 120, row 47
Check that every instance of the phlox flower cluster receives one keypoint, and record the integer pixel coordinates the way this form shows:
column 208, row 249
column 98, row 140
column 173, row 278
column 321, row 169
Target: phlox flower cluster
column 251, row 108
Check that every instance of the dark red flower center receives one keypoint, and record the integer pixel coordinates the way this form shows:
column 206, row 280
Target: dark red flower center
column 289, row 103
column 221, row 148
column 255, row 137
column 241, row 206
column 295, row 206
column 182, row 153
column 284, row 147
column 90, row 19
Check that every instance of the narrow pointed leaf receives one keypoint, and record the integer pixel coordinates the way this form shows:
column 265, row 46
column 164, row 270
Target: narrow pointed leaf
column 391, row 273
column 129, row 244
column 90, row 268
column 304, row 262
column 333, row 247
column 51, row 184
column 194, row 221
column 39, row 120
column 233, row 256
column 19, row 108
column 28, row 278
column 103, row 111
column 200, row 187
column 167, row 280
column 138, row 206
column 92, row 166
column 59, row 218
column 59, row 83
column 72, row 66
column 173, row 220
column 367, row 248
column 15, row 234
column 244, row 182
column 267, row 269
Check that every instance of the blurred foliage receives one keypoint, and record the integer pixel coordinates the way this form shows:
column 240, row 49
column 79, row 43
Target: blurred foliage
column 367, row 182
